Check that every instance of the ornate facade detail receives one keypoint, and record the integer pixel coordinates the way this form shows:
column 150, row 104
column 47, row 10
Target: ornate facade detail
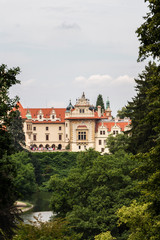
column 80, row 126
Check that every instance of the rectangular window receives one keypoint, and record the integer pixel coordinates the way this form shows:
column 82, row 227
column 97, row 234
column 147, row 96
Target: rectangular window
column 60, row 128
column 102, row 149
column 103, row 132
column 34, row 128
column 47, row 128
column 66, row 135
column 66, row 124
column 100, row 142
column 60, row 137
column 34, row 137
column 82, row 136
column 81, row 110
column 47, row 137
column 100, row 132
column 29, row 127
column 114, row 132
column 79, row 147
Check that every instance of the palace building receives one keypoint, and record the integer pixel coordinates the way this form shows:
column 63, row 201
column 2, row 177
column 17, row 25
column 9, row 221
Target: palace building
column 75, row 128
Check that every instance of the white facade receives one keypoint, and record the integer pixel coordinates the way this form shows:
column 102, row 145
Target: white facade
column 76, row 128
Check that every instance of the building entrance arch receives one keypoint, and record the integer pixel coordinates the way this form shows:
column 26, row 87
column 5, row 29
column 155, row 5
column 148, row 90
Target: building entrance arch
column 47, row 146
column 53, row 146
column 59, row 146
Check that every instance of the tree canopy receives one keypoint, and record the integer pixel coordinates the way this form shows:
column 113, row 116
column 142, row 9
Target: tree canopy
column 8, row 213
column 7, row 79
column 149, row 33
column 143, row 216
column 118, row 142
column 145, row 110
column 16, row 131
column 124, row 112
column 93, row 192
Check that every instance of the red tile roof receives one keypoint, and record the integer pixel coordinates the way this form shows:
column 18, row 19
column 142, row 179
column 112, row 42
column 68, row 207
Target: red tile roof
column 109, row 125
column 60, row 113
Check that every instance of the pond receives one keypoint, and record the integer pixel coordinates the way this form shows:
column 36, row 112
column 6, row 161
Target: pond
column 41, row 208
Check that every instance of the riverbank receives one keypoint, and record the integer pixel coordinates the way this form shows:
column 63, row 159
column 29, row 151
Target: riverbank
column 23, row 206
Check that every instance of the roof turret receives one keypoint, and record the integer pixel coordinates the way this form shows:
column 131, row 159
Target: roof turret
column 28, row 115
column 107, row 103
column 69, row 107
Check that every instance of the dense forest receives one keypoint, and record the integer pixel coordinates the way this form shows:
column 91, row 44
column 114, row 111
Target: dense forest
column 96, row 197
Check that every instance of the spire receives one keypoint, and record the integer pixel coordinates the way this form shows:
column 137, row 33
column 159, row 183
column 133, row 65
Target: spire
column 83, row 95
column 107, row 103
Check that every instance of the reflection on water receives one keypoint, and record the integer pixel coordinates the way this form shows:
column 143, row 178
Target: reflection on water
column 41, row 208
column 43, row 216
column 41, row 201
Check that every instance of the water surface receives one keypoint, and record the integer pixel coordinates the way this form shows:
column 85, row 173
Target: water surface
column 41, row 209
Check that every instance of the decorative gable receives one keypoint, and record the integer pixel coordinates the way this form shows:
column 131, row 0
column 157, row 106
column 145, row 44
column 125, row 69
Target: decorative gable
column 40, row 115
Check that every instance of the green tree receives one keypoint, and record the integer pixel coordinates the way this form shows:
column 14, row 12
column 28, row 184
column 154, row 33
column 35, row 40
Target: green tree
column 124, row 112
column 16, row 130
column 56, row 229
column 118, row 142
column 143, row 217
column 104, row 236
column 7, row 79
column 149, row 33
column 145, row 110
column 139, row 220
column 25, row 179
column 8, row 213
column 100, row 102
column 93, row 191
column 8, row 195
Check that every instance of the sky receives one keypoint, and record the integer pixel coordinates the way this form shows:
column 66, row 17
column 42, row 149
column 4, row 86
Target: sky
column 68, row 47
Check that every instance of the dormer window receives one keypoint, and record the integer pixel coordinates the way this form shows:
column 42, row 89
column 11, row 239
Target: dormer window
column 53, row 115
column 40, row 115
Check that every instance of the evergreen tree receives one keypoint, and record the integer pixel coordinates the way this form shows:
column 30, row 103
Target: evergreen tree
column 149, row 32
column 143, row 217
column 145, row 110
column 100, row 102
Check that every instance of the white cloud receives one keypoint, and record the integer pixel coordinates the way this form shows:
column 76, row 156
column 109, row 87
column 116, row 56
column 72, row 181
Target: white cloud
column 69, row 26
column 29, row 82
column 103, row 80
column 94, row 80
column 123, row 80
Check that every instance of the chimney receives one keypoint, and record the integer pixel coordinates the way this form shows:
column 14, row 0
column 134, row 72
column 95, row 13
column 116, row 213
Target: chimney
column 99, row 111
